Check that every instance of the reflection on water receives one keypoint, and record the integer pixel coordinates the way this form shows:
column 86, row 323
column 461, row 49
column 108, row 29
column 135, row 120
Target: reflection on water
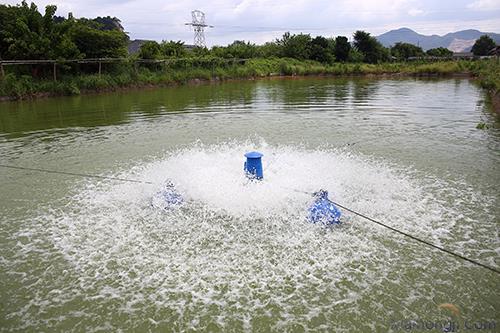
column 24, row 117
column 116, row 108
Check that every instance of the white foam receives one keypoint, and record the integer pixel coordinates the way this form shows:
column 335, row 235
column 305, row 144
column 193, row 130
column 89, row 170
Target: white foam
column 237, row 249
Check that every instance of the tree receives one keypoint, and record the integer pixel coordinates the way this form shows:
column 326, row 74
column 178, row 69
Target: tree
column 238, row 49
column 199, row 51
column 173, row 49
column 99, row 43
column 373, row 52
column 483, row 45
column 269, row 50
column 27, row 34
column 21, row 32
column 355, row 56
column 403, row 51
column 109, row 23
column 295, row 46
column 150, row 50
column 439, row 52
column 322, row 50
column 342, row 48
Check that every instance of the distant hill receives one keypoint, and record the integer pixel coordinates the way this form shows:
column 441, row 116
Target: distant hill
column 459, row 41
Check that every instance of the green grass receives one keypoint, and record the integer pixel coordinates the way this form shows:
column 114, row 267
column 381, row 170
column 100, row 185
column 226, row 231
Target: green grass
column 488, row 73
column 24, row 86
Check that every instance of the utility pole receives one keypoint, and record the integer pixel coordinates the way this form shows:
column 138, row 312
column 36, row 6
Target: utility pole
column 199, row 25
column 2, row 72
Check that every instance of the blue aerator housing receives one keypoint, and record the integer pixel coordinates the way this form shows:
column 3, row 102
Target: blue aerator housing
column 168, row 197
column 253, row 165
column 323, row 210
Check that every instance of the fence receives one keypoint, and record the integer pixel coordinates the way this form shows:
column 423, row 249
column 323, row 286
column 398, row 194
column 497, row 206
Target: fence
column 101, row 61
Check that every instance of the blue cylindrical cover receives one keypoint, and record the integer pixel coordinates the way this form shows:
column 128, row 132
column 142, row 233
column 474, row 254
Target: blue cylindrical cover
column 253, row 165
column 323, row 210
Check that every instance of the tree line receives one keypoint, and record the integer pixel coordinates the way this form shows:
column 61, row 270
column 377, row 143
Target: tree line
column 25, row 33
column 364, row 48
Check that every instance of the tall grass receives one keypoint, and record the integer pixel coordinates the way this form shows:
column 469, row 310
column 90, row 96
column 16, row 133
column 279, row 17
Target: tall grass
column 24, row 86
column 488, row 73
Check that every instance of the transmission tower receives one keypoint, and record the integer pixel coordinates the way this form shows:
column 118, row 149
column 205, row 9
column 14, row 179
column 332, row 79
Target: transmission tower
column 199, row 25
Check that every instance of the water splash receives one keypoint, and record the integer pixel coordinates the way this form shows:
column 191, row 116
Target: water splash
column 236, row 250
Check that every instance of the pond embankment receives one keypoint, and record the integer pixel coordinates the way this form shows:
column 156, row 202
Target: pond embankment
column 15, row 86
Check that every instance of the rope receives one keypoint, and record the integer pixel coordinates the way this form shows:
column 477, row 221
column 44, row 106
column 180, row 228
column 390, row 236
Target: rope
column 417, row 239
column 75, row 174
column 406, row 234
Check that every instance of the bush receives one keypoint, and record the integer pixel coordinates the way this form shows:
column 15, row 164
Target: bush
column 18, row 87
column 92, row 82
column 71, row 89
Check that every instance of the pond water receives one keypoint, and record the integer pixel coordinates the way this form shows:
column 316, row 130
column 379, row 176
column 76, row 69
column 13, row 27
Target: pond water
column 91, row 254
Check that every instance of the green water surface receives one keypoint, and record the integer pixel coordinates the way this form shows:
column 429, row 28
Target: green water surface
column 425, row 129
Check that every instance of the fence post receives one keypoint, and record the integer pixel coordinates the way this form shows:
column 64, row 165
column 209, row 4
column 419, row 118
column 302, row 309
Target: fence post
column 2, row 73
column 55, row 71
column 99, row 67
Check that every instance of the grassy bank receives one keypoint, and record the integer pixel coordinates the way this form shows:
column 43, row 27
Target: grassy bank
column 488, row 74
column 116, row 77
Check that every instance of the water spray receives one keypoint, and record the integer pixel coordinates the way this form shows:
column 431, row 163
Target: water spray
column 172, row 199
column 322, row 210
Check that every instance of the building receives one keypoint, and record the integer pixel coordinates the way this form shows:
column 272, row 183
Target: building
column 135, row 45
column 462, row 55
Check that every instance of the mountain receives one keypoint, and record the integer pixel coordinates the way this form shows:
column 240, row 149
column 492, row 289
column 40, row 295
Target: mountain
column 459, row 41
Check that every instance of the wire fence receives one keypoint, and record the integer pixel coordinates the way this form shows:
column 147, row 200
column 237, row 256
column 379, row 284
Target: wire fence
column 165, row 63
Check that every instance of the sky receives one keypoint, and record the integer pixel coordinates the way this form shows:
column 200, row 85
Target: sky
column 260, row 21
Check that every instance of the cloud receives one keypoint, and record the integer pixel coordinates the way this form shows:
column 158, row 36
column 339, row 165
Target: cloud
column 363, row 11
column 484, row 5
column 264, row 20
column 415, row 12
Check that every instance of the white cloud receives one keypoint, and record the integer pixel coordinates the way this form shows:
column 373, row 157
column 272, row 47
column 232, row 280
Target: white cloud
column 415, row 12
column 368, row 10
column 484, row 5
column 264, row 20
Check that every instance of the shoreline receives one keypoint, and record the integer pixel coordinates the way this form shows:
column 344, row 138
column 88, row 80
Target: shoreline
column 492, row 93
column 217, row 80
column 495, row 100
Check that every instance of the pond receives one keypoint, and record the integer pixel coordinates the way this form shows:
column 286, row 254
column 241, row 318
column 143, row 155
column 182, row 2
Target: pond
column 85, row 253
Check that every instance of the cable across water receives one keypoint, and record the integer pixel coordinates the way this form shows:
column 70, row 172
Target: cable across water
column 417, row 239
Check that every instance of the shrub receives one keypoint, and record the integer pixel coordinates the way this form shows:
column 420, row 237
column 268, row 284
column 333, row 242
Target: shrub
column 18, row 87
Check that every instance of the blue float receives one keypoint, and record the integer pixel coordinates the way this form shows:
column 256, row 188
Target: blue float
column 253, row 165
column 168, row 197
column 323, row 210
